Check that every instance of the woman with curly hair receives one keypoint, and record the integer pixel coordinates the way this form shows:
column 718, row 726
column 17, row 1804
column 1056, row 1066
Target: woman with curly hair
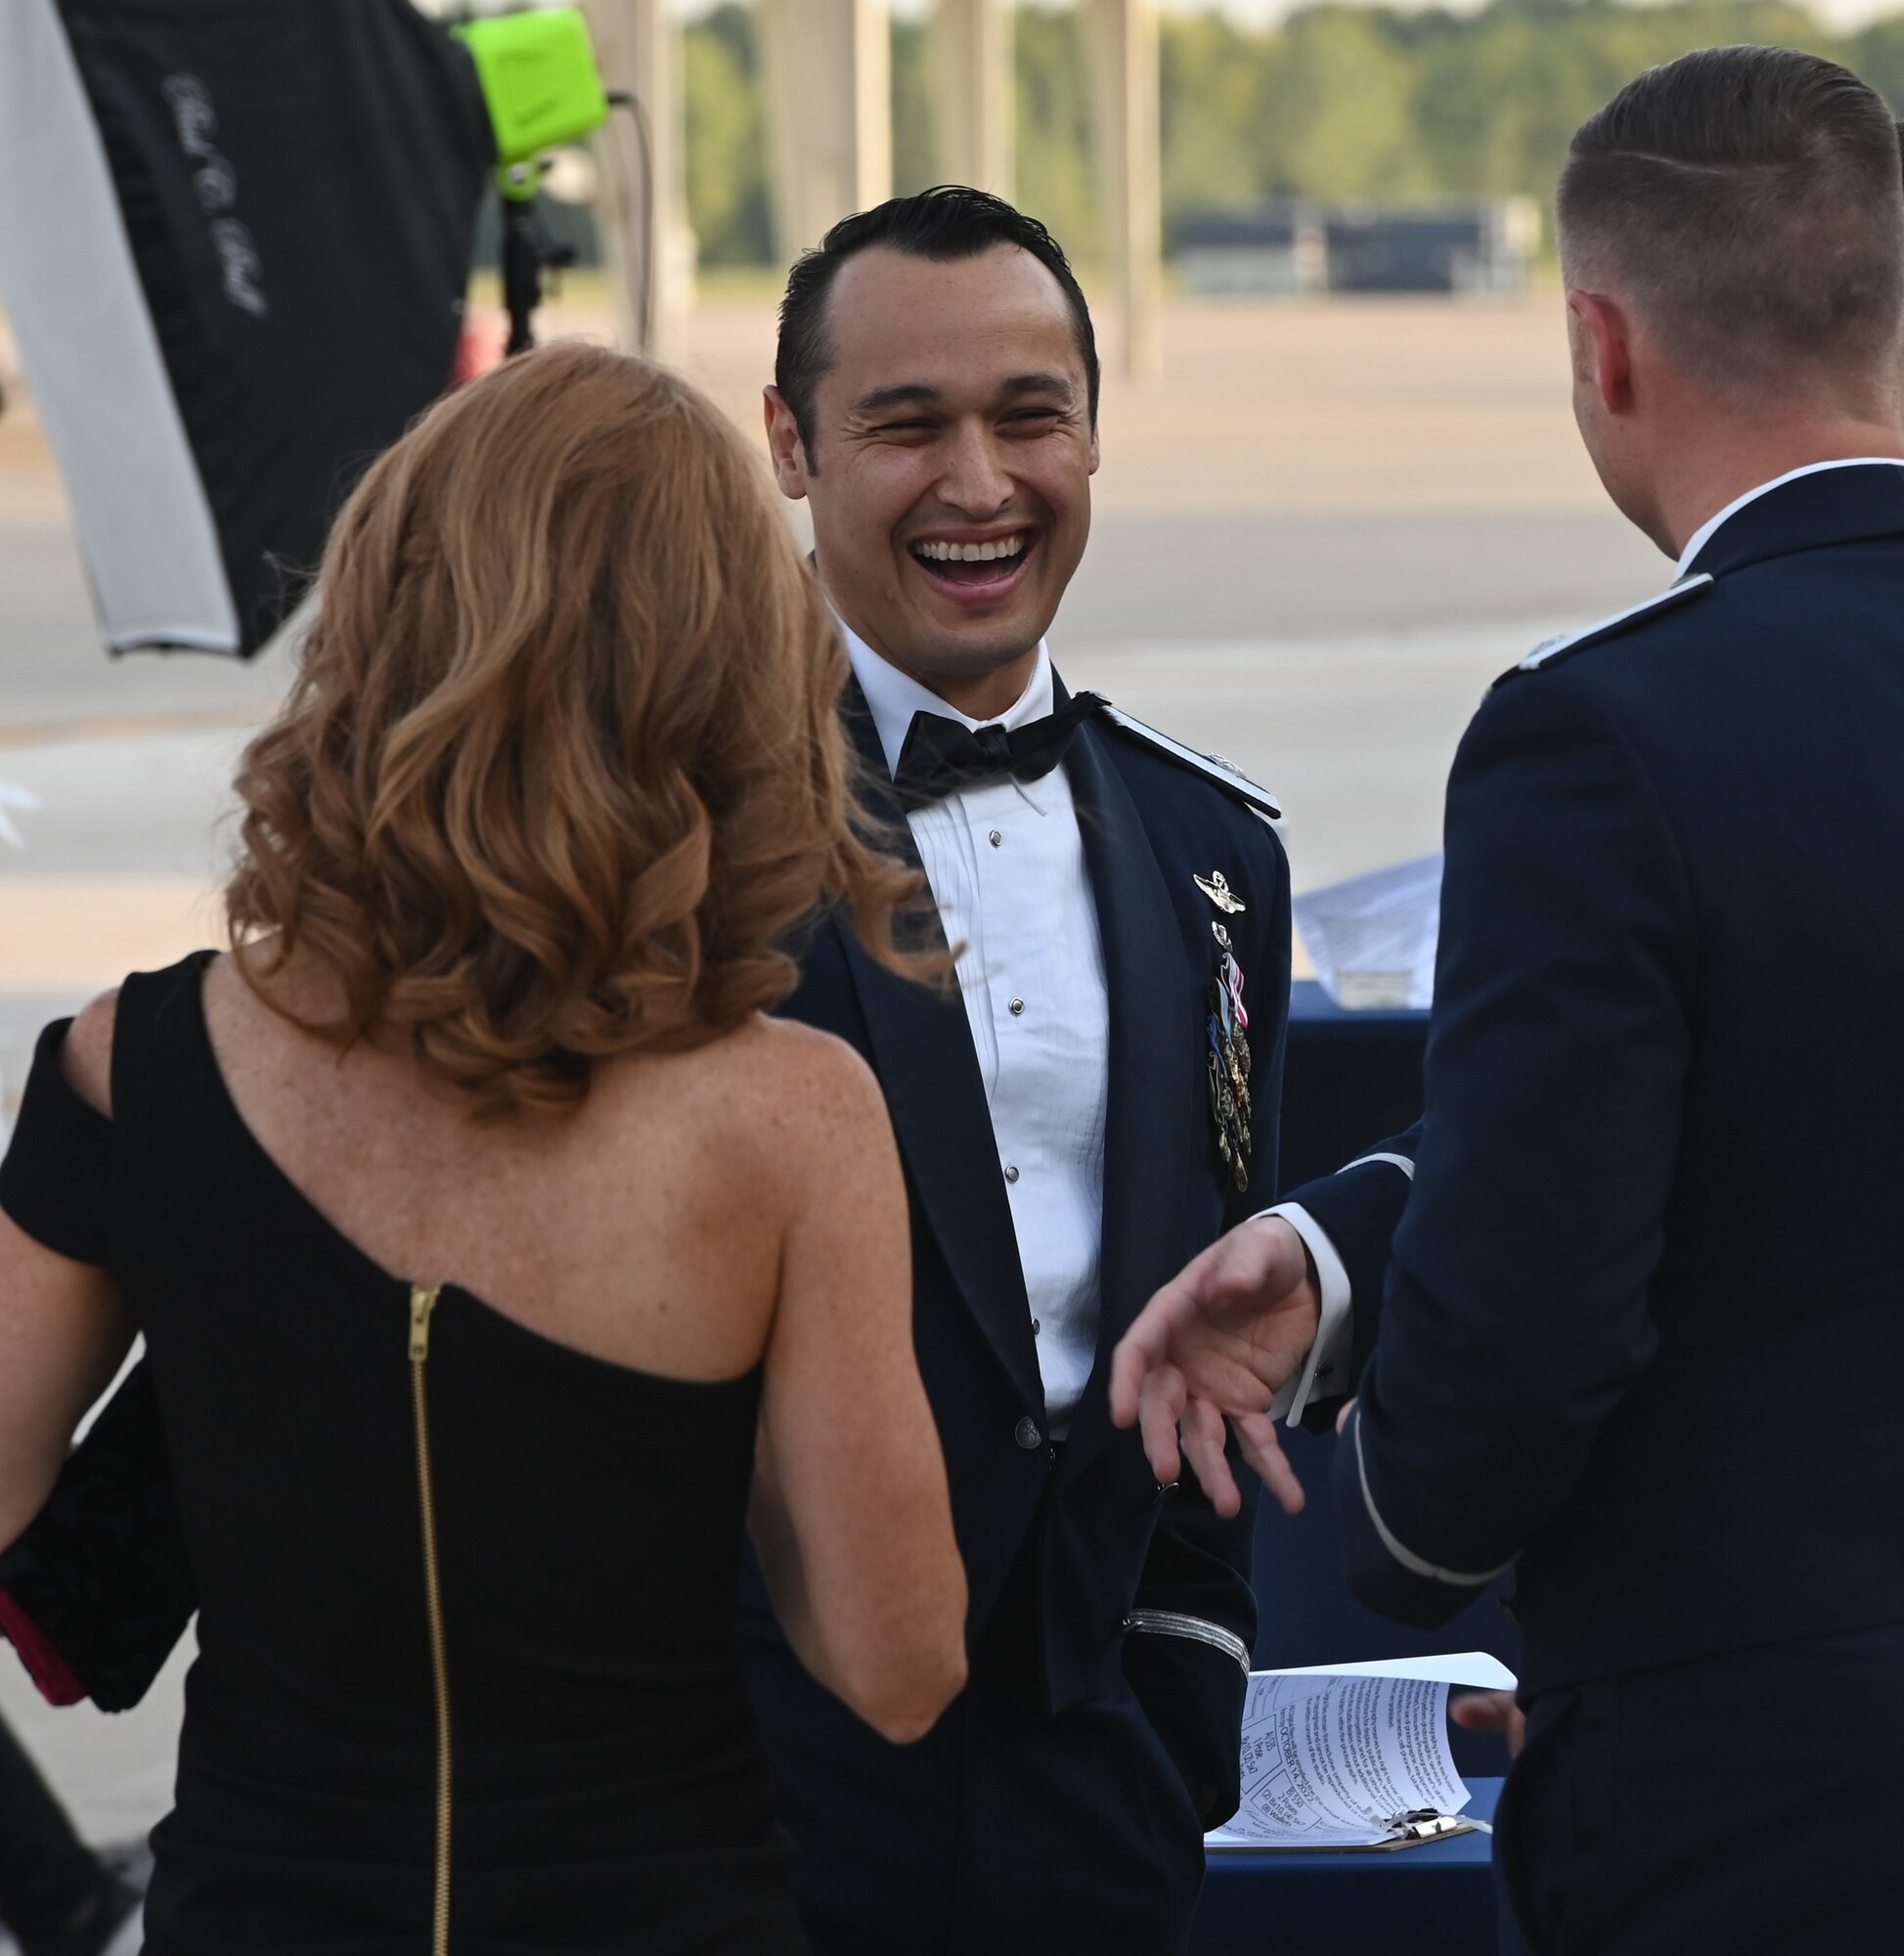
column 499, row 1260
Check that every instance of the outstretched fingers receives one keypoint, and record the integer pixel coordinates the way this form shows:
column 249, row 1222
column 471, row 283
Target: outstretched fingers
column 1214, row 1343
column 1160, row 1405
column 1178, row 1425
column 1150, row 1342
column 1256, row 1435
column 1204, row 1436
column 1176, row 1326
column 1204, row 1439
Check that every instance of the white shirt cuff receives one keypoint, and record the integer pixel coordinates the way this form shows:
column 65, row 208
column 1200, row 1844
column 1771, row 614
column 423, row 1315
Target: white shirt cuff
column 1326, row 1368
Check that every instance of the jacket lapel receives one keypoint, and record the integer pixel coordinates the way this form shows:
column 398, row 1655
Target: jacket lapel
column 923, row 1053
column 1150, row 1140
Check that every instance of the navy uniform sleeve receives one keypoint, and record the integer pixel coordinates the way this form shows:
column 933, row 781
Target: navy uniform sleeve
column 1358, row 1209
column 1516, row 1314
column 55, row 1180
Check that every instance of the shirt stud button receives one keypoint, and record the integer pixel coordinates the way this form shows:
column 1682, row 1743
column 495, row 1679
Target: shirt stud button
column 1036, row 1327
column 1027, row 1434
column 1017, row 1008
column 996, row 839
column 1012, row 1170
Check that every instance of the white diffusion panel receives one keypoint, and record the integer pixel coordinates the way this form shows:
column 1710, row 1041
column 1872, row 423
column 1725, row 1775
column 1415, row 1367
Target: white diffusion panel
column 92, row 359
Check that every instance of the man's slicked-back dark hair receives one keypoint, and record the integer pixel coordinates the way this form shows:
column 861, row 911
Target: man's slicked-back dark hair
column 1749, row 200
column 945, row 224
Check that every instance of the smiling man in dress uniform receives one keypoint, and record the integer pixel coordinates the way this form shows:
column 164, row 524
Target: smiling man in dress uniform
column 1642, row 1333
column 1095, row 1101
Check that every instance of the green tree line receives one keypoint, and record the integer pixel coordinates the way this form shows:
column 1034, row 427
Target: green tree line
column 1336, row 101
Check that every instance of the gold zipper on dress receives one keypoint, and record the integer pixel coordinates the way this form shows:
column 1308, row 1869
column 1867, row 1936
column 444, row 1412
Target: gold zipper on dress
column 422, row 1303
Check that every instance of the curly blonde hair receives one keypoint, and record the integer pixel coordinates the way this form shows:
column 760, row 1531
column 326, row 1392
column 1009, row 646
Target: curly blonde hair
column 562, row 767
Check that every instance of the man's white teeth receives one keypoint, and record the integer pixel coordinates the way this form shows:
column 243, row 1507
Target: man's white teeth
column 970, row 552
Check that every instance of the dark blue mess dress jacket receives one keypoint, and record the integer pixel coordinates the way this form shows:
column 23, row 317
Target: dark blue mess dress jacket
column 1641, row 1334
column 1060, row 1803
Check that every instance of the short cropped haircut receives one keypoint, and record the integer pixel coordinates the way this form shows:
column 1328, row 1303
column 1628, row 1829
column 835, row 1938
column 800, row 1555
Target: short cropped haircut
column 1749, row 200
column 945, row 224
column 563, row 764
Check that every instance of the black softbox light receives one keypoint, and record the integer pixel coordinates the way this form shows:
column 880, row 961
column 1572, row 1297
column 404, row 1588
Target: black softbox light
column 234, row 247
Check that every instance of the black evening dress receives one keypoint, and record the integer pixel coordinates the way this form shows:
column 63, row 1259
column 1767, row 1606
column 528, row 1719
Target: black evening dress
column 467, row 1676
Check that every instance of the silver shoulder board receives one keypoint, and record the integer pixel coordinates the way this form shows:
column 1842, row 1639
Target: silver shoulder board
column 1550, row 650
column 1231, row 779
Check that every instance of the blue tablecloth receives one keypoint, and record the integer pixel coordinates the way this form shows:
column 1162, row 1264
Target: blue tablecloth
column 1434, row 1901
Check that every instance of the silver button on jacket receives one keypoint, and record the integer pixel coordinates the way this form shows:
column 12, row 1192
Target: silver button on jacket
column 1027, row 1434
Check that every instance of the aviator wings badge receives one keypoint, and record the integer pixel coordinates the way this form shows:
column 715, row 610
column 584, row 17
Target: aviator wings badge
column 1216, row 886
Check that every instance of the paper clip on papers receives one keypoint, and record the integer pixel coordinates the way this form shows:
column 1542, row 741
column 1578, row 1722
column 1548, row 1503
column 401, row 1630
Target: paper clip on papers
column 1352, row 1761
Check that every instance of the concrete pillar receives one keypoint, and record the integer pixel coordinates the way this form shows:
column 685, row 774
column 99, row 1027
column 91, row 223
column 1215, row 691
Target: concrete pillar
column 971, row 54
column 1129, row 140
column 650, row 242
column 829, row 110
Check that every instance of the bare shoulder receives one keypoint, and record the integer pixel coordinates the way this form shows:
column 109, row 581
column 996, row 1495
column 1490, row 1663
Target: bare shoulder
column 817, row 1078
column 787, row 1083
column 86, row 1057
column 807, row 1108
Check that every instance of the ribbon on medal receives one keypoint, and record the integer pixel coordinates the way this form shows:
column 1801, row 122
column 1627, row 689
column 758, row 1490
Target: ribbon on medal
column 1228, row 1032
column 1227, row 1064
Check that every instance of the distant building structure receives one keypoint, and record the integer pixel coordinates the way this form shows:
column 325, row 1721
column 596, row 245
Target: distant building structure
column 1280, row 250
column 1287, row 249
column 1474, row 247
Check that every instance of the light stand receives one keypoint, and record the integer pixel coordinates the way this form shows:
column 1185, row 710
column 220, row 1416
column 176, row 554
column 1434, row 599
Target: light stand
column 543, row 88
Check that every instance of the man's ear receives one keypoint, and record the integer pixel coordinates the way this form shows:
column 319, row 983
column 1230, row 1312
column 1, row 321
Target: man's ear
column 785, row 445
column 1603, row 344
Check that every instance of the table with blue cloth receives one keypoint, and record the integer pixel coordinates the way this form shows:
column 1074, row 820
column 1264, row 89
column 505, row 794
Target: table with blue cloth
column 1352, row 1079
column 1436, row 1899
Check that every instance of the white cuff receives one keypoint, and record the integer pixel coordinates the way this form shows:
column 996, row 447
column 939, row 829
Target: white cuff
column 1332, row 1353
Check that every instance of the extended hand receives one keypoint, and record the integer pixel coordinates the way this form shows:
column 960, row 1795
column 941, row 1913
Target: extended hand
column 1217, row 1342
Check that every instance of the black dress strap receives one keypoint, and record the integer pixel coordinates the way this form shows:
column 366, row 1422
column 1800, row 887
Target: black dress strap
column 164, row 1080
column 57, row 1178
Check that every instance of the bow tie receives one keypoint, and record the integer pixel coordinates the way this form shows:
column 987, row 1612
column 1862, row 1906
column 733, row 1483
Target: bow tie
column 942, row 755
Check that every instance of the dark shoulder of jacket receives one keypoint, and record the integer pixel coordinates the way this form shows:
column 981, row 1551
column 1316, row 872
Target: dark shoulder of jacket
column 1667, row 604
column 1212, row 767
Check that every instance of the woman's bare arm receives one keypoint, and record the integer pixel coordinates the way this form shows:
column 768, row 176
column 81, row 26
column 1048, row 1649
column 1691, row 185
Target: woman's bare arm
column 851, row 1513
column 64, row 1328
